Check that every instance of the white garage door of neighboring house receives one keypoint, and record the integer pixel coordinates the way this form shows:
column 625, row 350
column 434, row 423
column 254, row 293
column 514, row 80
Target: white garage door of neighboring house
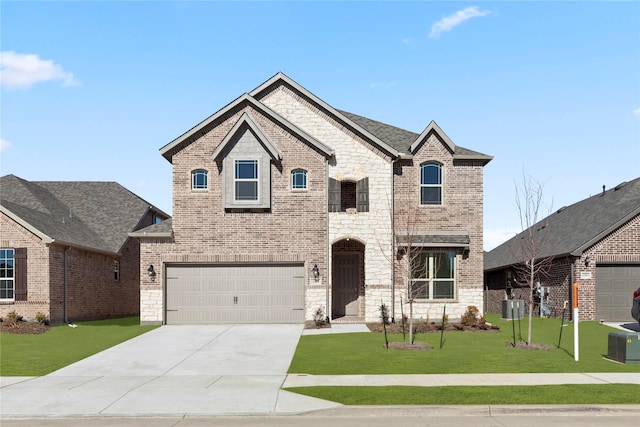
column 614, row 291
column 235, row 294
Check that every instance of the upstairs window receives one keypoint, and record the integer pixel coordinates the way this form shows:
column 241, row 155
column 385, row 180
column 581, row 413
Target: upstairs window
column 433, row 275
column 430, row 183
column 246, row 180
column 199, row 179
column 345, row 195
column 298, row 179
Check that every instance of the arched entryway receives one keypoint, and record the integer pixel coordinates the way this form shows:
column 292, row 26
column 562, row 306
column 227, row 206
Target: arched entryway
column 347, row 279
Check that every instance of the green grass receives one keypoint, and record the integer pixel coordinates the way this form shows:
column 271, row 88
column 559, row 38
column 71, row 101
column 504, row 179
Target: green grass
column 499, row 395
column 463, row 352
column 466, row 352
column 35, row 355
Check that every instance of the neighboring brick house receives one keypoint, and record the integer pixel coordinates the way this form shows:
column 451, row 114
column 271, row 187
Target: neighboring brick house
column 65, row 250
column 594, row 243
column 284, row 205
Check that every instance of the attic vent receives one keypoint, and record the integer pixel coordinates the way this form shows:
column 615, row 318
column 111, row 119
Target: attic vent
column 619, row 186
column 561, row 209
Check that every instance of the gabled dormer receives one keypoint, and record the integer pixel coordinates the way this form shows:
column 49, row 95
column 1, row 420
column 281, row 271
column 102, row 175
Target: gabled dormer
column 245, row 156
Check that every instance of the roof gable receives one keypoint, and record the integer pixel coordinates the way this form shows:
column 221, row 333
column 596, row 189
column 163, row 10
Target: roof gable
column 246, row 122
column 281, row 79
column 432, row 128
column 194, row 133
column 407, row 142
column 394, row 142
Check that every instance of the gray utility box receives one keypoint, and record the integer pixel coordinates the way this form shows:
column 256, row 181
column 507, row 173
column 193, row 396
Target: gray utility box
column 624, row 347
column 513, row 309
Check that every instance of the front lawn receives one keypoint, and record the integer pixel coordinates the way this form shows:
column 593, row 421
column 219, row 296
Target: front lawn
column 584, row 394
column 462, row 352
column 40, row 354
column 466, row 352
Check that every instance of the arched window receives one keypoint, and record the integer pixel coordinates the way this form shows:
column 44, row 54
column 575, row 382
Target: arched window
column 431, row 183
column 199, row 179
column 298, row 179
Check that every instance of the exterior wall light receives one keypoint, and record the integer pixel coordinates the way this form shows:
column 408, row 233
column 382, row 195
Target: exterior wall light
column 316, row 272
column 151, row 271
column 587, row 261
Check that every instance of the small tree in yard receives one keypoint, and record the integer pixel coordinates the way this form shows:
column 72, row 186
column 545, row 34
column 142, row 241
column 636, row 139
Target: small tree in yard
column 530, row 247
column 384, row 317
column 409, row 257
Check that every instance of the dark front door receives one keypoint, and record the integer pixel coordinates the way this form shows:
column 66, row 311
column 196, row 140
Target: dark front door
column 346, row 285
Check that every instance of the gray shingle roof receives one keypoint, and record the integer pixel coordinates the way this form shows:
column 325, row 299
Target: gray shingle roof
column 573, row 229
column 398, row 138
column 96, row 215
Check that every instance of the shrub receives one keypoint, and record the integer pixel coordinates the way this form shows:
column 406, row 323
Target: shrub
column 42, row 318
column 12, row 319
column 471, row 317
column 319, row 317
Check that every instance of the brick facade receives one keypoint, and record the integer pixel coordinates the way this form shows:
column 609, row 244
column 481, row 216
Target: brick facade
column 298, row 226
column 619, row 247
column 461, row 210
column 91, row 289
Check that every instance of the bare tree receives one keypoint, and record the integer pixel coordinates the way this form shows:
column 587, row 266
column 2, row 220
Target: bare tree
column 530, row 247
column 409, row 255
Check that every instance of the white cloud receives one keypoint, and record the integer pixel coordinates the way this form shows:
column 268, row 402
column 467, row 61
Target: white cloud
column 4, row 144
column 636, row 112
column 19, row 70
column 450, row 22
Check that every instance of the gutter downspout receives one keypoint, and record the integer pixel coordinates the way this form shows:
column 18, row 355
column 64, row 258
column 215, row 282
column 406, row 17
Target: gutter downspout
column 328, row 246
column 64, row 284
column 393, row 246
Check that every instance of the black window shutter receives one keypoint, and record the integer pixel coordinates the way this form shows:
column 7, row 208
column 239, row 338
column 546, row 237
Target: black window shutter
column 334, row 195
column 362, row 194
column 20, row 272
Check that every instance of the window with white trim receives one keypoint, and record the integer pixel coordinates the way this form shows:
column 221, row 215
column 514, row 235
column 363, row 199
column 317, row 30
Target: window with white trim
column 298, row 179
column 430, row 183
column 433, row 275
column 245, row 182
column 7, row 274
column 199, row 179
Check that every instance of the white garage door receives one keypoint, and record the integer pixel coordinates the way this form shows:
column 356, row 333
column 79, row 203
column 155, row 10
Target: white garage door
column 235, row 294
column 614, row 291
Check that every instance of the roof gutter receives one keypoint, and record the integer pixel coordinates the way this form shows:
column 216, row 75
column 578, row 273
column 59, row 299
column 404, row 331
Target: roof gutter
column 44, row 237
column 151, row 235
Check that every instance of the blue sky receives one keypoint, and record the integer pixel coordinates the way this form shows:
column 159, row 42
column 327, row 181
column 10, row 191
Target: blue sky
column 92, row 90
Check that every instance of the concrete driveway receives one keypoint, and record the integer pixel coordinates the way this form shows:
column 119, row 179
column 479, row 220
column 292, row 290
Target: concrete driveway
column 172, row 370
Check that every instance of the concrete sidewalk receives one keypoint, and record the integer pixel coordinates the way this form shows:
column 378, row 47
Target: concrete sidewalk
column 440, row 380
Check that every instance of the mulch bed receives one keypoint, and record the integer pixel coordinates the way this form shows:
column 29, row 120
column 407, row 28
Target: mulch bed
column 406, row 346
column 430, row 327
column 532, row 346
column 24, row 328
